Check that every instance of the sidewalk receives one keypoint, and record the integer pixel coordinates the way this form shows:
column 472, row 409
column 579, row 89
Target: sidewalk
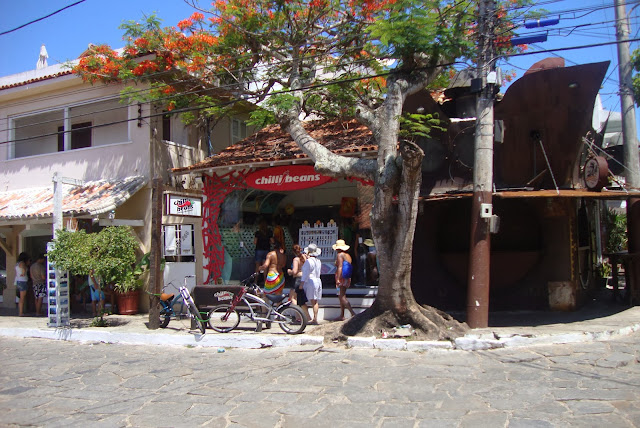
column 597, row 321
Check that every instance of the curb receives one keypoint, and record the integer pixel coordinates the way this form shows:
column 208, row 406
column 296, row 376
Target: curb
column 469, row 342
column 481, row 342
column 245, row 341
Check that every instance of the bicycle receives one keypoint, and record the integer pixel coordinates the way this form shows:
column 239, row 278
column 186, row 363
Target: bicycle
column 194, row 313
column 226, row 317
column 169, row 301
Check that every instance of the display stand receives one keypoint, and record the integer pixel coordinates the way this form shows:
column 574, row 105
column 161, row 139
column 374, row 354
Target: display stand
column 57, row 295
column 324, row 237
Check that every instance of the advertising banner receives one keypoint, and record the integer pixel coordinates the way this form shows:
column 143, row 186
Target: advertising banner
column 184, row 205
column 286, row 178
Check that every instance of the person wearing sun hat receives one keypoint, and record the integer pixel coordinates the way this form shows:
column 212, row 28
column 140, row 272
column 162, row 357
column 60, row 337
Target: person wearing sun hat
column 371, row 266
column 310, row 280
column 344, row 269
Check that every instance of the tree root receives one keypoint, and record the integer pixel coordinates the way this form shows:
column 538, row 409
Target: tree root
column 427, row 322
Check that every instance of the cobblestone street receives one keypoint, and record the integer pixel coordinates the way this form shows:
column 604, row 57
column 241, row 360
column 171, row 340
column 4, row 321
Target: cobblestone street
column 57, row 383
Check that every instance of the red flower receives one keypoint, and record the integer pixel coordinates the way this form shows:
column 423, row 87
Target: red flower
column 185, row 23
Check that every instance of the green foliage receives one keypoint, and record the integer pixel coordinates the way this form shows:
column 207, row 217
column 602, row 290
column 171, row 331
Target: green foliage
column 603, row 270
column 431, row 28
column 415, row 125
column 72, row 252
column 260, row 118
column 111, row 253
column 115, row 253
column 615, row 225
column 99, row 321
column 635, row 60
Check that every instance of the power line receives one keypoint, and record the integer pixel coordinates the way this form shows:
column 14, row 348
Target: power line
column 594, row 45
column 227, row 86
column 189, row 109
column 169, row 97
column 40, row 19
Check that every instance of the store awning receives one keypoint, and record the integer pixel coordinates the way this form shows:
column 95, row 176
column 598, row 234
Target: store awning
column 88, row 199
column 273, row 146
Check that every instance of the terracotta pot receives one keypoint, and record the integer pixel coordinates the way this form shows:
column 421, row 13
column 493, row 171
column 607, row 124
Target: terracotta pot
column 128, row 302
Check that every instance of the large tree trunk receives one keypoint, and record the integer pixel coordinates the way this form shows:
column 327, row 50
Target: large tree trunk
column 393, row 221
column 397, row 179
column 393, row 226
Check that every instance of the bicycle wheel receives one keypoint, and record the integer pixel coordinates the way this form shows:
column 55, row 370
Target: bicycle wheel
column 293, row 320
column 195, row 314
column 220, row 322
column 165, row 317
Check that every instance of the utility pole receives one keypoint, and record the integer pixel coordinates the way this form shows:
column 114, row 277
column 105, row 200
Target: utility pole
column 155, row 274
column 629, row 135
column 629, row 138
column 481, row 207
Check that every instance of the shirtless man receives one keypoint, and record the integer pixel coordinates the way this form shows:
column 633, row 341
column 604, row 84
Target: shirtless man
column 344, row 270
column 274, row 265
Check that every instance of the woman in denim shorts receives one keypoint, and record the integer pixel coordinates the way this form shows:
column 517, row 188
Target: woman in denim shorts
column 22, row 279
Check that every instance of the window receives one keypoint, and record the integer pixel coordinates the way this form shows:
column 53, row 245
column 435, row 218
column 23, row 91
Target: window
column 238, row 130
column 166, row 127
column 80, row 136
column 178, row 242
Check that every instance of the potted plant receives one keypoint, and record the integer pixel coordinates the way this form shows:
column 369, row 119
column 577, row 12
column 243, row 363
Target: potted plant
column 114, row 250
column 111, row 253
column 603, row 270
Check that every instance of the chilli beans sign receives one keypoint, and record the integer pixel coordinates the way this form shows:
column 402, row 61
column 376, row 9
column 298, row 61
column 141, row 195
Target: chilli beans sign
column 184, row 205
column 286, row 178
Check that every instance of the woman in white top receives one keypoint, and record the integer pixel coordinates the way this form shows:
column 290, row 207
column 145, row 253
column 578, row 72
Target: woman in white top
column 22, row 280
column 311, row 282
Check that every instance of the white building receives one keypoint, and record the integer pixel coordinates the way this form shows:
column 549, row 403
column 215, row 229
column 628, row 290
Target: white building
column 108, row 152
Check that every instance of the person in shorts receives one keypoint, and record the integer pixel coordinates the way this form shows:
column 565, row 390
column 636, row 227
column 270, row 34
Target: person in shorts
column 296, row 294
column 97, row 295
column 311, row 283
column 38, row 273
column 344, row 270
column 22, row 281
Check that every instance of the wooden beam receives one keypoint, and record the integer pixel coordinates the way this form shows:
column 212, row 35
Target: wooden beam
column 6, row 247
column 120, row 222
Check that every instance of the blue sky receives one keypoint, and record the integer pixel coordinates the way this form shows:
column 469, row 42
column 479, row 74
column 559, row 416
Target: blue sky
column 69, row 32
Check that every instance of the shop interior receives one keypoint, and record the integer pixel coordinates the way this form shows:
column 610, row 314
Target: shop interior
column 320, row 215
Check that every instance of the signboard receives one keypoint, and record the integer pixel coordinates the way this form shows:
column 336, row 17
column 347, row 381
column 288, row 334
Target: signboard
column 286, row 178
column 57, row 295
column 184, row 205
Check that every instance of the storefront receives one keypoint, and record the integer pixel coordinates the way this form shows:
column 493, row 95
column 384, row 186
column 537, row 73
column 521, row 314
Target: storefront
column 306, row 206
column 268, row 178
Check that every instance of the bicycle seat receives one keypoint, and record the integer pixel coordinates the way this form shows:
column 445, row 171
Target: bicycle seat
column 276, row 299
column 164, row 297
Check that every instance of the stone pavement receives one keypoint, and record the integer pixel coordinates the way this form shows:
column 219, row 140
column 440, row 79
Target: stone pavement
column 594, row 322
column 55, row 383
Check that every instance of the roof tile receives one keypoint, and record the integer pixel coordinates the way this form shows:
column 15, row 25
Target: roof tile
column 274, row 144
column 92, row 198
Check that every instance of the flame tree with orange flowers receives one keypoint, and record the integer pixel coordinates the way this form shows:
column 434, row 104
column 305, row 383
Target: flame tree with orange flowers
column 335, row 59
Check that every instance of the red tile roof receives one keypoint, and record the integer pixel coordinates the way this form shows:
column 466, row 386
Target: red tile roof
column 91, row 198
column 35, row 79
column 272, row 144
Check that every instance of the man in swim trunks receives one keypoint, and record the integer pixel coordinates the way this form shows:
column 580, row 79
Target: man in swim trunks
column 274, row 265
column 344, row 270
column 97, row 295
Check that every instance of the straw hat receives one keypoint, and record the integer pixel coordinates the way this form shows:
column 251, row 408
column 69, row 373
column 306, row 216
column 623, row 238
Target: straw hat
column 369, row 242
column 313, row 250
column 340, row 245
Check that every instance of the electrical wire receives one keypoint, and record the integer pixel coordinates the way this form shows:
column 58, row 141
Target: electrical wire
column 256, row 81
column 197, row 108
column 40, row 19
